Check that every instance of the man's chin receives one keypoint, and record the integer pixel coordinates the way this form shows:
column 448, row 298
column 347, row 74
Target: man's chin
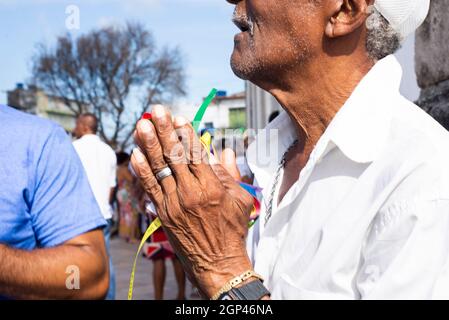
column 241, row 68
column 239, row 72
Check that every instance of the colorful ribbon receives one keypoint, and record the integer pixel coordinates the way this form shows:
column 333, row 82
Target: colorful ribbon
column 151, row 229
column 255, row 192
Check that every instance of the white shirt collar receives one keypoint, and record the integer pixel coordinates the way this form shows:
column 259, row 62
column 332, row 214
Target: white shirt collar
column 359, row 129
column 90, row 136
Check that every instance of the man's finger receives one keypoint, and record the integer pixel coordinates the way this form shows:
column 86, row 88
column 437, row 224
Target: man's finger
column 232, row 187
column 149, row 144
column 195, row 152
column 227, row 172
column 229, row 162
column 172, row 149
column 223, row 175
column 197, row 156
column 143, row 171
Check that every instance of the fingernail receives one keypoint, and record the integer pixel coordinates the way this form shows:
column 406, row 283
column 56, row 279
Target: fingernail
column 147, row 116
column 159, row 111
column 228, row 155
column 145, row 127
column 180, row 122
column 138, row 155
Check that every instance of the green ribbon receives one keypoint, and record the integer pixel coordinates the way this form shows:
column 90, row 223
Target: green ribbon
column 200, row 114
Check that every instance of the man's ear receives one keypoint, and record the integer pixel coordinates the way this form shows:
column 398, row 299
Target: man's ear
column 347, row 16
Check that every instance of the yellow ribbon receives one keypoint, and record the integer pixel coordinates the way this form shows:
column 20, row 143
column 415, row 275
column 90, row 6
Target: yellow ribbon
column 151, row 229
column 206, row 141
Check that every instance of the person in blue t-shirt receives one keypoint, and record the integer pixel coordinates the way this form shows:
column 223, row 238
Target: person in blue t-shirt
column 51, row 239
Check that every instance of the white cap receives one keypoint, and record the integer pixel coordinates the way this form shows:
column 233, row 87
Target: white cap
column 405, row 16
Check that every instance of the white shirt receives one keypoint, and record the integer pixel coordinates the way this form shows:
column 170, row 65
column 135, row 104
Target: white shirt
column 368, row 217
column 100, row 163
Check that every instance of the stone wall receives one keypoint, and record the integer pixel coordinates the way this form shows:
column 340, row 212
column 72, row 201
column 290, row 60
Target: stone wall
column 432, row 62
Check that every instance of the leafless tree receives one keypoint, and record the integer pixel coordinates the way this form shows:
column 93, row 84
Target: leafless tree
column 114, row 72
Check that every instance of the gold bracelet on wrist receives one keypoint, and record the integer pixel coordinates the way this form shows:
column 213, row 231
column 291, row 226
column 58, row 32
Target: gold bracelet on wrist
column 235, row 282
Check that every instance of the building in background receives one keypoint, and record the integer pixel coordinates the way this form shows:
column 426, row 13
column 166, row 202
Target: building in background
column 432, row 62
column 35, row 101
column 260, row 106
column 226, row 112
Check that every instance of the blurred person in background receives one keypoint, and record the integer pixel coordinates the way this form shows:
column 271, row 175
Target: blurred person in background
column 100, row 163
column 50, row 223
column 128, row 200
column 122, row 158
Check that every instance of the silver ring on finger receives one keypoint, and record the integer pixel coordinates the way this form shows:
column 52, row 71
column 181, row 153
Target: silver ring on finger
column 164, row 173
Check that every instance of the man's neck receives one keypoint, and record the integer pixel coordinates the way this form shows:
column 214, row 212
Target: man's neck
column 312, row 96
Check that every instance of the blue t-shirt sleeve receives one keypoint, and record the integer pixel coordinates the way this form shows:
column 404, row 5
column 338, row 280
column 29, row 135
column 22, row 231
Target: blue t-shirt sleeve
column 63, row 205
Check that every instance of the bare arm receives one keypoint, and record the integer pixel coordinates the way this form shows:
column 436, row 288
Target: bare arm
column 41, row 273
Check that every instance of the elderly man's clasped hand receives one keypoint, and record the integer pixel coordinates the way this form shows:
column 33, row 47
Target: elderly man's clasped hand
column 203, row 210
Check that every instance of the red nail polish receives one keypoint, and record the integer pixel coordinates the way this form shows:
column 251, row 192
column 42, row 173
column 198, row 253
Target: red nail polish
column 147, row 116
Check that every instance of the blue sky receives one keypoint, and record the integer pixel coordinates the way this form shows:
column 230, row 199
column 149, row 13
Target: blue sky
column 201, row 28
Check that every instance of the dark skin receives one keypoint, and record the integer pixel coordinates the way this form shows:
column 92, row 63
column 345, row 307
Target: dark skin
column 41, row 273
column 84, row 125
column 310, row 55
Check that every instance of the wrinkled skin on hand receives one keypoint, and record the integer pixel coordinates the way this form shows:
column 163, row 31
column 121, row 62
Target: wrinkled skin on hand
column 204, row 211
